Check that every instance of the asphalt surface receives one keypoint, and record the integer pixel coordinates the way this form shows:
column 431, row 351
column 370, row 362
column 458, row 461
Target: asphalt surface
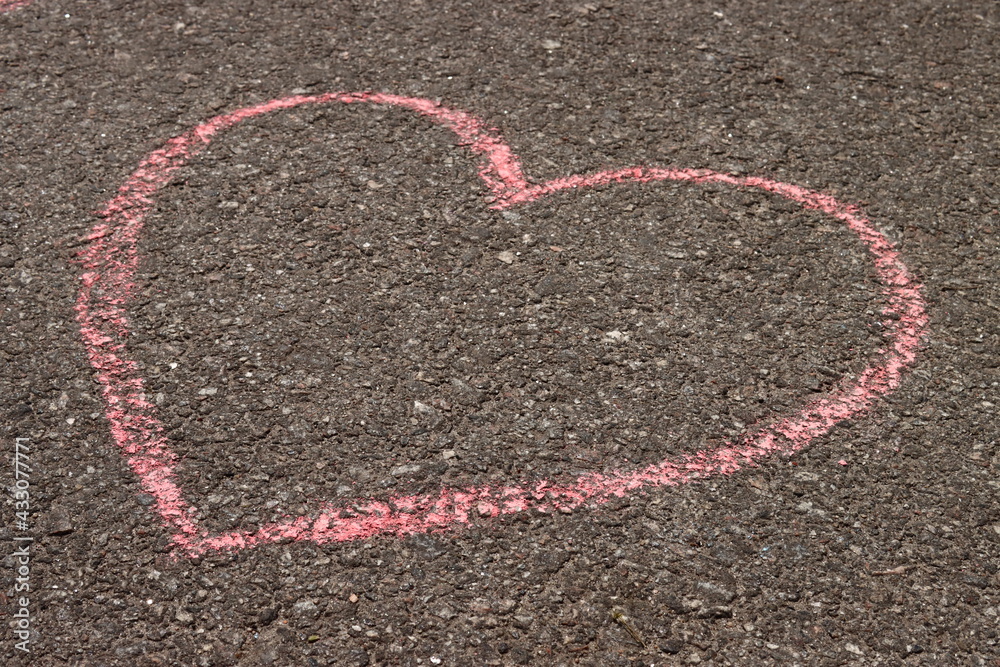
column 253, row 388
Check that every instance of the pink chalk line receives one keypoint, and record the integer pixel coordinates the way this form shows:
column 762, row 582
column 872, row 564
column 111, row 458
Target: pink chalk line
column 111, row 258
column 11, row 5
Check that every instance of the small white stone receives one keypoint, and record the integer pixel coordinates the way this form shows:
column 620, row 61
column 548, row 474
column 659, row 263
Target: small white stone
column 615, row 336
column 507, row 257
column 424, row 408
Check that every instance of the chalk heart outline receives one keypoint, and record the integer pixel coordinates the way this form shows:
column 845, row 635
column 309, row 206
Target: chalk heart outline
column 110, row 259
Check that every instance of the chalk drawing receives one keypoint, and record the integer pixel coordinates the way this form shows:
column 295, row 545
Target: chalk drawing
column 110, row 259
column 11, row 5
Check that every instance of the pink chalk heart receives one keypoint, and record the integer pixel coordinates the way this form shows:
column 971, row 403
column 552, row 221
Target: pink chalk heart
column 111, row 258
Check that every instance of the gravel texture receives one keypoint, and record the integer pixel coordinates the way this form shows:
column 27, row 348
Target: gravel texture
column 327, row 308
